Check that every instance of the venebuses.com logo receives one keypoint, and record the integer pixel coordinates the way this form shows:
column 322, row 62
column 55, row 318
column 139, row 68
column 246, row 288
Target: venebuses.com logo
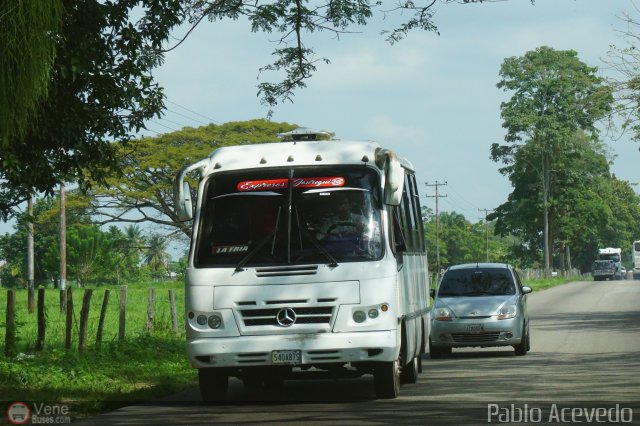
column 20, row 413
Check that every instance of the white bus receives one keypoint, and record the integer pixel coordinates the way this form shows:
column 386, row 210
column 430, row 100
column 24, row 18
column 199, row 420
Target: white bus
column 635, row 252
column 307, row 259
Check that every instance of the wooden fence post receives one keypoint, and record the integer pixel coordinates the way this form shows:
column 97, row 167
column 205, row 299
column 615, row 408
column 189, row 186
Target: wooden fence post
column 84, row 317
column 42, row 324
column 10, row 336
column 150, row 309
column 172, row 310
column 69, row 324
column 123, row 312
column 103, row 314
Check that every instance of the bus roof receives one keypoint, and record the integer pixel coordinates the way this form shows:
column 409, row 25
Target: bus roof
column 299, row 153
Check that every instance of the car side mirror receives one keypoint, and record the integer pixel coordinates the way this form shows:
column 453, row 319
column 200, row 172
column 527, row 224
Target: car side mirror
column 432, row 293
column 526, row 290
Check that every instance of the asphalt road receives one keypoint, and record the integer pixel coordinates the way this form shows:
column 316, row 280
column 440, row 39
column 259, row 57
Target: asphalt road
column 584, row 366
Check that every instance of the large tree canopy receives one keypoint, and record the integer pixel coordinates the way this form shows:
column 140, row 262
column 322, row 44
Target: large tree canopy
column 100, row 90
column 555, row 104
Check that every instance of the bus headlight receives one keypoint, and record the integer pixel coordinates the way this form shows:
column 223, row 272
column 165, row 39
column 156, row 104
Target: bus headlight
column 359, row 316
column 215, row 321
column 373, row 313
column 201, row 319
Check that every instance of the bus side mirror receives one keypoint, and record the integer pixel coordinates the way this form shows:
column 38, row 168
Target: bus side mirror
column 182, row 192
column 395, row 181
column 182, row 201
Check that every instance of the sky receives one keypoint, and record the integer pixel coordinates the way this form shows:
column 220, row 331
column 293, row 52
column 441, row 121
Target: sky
column 431, row 97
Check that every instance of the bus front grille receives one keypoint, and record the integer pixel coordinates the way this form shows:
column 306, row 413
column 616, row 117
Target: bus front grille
column 303, row 315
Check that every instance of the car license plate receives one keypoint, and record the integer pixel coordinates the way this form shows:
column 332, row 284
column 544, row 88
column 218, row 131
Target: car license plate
column 474, row 328
column 286, row 357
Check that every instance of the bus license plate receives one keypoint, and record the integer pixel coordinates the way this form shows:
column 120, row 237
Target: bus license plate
column 474, row 328
column 286, row 357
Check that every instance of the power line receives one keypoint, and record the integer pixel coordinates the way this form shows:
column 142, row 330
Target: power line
column 193, row 112
column 187, row 117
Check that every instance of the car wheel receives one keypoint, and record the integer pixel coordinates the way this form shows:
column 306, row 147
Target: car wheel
column 522, row 347
column 386, row 379
column 409, row 372
column 434, row 353
column 214, row 383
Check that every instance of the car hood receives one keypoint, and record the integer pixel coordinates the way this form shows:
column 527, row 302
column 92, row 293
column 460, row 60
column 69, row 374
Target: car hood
column 476, row 306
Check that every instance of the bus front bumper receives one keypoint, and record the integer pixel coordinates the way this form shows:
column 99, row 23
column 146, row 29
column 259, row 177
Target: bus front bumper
column 315, row 349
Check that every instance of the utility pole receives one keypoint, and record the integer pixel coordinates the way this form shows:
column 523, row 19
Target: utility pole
column 486, row 225
column 63, row 250
column 437, row 196
column 30, row 256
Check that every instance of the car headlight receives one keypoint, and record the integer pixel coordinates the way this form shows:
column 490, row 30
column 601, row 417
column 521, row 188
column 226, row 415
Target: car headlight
column 443, row 314
column 507, row 312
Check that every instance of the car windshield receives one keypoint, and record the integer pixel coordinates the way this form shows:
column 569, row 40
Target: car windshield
column 477, row 282
column 296, row 216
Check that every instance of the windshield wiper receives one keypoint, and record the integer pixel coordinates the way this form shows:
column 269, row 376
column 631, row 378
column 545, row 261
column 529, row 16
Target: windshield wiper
column 317, row 245
column 261, row 243
column 253, row 252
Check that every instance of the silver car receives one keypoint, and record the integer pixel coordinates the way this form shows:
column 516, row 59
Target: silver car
column 479, row 305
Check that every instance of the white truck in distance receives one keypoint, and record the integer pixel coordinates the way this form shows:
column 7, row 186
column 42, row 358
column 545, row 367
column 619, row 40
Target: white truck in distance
column 307, row 260
column 615, row 255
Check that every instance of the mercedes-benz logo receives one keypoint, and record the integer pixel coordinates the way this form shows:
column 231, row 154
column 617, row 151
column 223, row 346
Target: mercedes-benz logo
column 286, row 317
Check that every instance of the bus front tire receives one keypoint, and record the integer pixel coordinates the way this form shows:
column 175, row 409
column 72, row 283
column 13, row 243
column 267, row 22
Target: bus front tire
column 386, row 379
column 214, row 384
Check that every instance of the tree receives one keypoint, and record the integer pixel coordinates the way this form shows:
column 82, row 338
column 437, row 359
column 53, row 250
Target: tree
column 554, row 95
column 156, row 253
column 45, row 220
column 589, row 207
column 461, row 241
column 294, row 19
column 27, row 51
column 143, row 192
column 625, row 80
column 90, row 254
column 100, row 90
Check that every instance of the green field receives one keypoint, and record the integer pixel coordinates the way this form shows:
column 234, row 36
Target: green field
column 145, row 365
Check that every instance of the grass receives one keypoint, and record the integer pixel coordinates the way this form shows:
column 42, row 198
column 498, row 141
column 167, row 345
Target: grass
column 146, row 365
column 544, row 283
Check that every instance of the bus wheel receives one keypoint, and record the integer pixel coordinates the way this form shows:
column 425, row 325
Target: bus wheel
column 214, row 383
column 386, row 379
column 409, row 372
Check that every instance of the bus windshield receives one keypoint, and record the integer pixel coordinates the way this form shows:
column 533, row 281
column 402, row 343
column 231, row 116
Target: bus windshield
column 290, row 216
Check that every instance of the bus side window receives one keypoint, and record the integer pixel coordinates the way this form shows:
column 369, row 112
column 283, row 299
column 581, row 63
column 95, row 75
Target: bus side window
column 399, row 241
